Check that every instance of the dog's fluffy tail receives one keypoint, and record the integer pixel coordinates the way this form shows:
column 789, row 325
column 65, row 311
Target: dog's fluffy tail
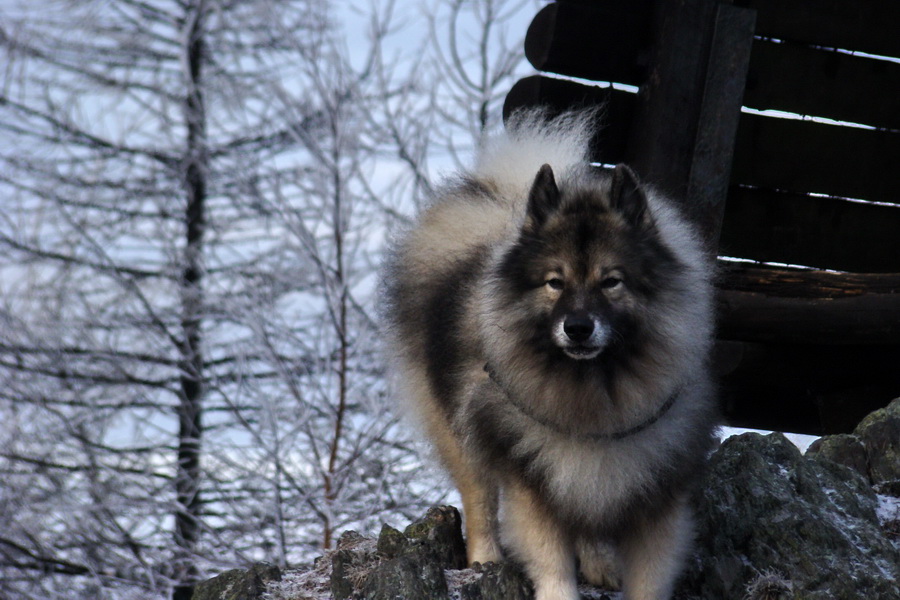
column 511, row 158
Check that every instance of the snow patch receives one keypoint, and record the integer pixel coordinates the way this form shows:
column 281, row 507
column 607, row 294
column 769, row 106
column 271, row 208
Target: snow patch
column 888, row 509
column 456, row 579
column 314, row 584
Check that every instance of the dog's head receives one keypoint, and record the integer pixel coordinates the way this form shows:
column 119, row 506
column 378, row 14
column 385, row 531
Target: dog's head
column 588, row 262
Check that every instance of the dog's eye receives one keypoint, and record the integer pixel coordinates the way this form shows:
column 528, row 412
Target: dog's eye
column 610, row 283
column 555, row 283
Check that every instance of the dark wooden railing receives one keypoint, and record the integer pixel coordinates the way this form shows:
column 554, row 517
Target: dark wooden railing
column 807, row 349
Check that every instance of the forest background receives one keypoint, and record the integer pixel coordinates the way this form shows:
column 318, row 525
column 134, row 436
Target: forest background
column 195, row 196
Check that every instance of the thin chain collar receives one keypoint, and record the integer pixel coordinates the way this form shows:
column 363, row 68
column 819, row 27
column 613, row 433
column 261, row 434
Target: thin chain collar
column 597, row 437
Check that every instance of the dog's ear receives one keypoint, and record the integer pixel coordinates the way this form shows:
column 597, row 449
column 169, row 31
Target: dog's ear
column 543, row 198
column 628, row 198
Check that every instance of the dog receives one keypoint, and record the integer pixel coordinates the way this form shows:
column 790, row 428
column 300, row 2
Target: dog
column 550, row 324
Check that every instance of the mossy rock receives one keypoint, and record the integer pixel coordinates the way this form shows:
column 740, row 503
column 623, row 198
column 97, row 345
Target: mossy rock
column 238, row 584
column 765, row 508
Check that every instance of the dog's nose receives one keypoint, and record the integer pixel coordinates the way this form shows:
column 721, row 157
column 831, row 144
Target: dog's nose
column 578, row 327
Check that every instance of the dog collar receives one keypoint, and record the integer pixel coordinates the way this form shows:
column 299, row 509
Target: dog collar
column 597, row 437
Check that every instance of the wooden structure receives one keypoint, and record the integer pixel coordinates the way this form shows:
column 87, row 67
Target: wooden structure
column 801, row 349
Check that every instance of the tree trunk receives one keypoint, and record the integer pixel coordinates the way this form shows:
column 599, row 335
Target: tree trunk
column 187, row 517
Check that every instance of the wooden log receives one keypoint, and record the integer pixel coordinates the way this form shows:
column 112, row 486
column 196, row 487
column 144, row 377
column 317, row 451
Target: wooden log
column 793, row 283
column 601, row 41
column 863, row 25
column 810, row 307
column 806, row 351
column 771, row 226
column 805, row 156
column 807, row 388
column 824, row 83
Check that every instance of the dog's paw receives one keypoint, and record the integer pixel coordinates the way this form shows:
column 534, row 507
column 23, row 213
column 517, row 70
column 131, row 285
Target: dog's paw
column 599, row 565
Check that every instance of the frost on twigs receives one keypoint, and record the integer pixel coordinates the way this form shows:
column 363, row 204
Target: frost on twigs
column 770, row 585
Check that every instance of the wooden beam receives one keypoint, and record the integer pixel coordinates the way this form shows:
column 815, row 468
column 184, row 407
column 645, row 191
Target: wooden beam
column 665, row 129
column 863, row 25
column 689, row 105
column 823, row 232
column 810, row 307
column 824, row 83
column 720, row 111
column 805, row 156
column 601, row 41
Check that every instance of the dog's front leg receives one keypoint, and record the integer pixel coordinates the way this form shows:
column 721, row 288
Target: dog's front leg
column 654, row 553
column 546, row 551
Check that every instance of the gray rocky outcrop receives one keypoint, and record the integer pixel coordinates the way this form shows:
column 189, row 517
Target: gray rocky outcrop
column 807, row 525
column 238, row 584
column 426, row 561
column 772, row 524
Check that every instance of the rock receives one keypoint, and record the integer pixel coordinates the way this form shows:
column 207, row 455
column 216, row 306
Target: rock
column 410, row 564
column 771, row 525
column 413, row 562
column 416, row 564
column 880, row 433
column 440, row 530
column 873, row 449
column 405, row 577
column 351, row 564
column 497, row 581
column 844, row 449
column 391, row 542
column 807, row 523
column 238, row 584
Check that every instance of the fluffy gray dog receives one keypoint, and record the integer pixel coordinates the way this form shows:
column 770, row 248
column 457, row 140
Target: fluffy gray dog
column 550, row 324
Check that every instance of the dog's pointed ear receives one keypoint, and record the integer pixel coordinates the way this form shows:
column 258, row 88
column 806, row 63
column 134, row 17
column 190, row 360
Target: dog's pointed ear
column 628, row 198
column 543, row 198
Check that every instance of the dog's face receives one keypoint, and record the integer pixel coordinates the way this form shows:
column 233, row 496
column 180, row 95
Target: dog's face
column 587, row 262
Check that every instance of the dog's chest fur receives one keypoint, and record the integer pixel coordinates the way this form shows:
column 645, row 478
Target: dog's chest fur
column 599, row 484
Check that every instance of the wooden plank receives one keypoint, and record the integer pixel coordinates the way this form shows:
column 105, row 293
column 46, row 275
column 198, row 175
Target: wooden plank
column 600, row 40
column 770, row 226
column 869, row 319
column 804, row 156
column 824, row 83
column 799, row 283
column 864, row 25
column 766, row 305
column 720, row 111
column 808, row 388
column 661, row 147
column 559, row 95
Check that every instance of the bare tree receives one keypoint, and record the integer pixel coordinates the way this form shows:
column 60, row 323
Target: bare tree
column 439, row 97
column 188, row 376
column 195, row 200
column 122, row 325
column 477, row 55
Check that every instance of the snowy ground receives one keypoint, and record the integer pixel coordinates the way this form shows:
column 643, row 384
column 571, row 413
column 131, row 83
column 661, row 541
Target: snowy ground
column 889, row 517
column 314, row 584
